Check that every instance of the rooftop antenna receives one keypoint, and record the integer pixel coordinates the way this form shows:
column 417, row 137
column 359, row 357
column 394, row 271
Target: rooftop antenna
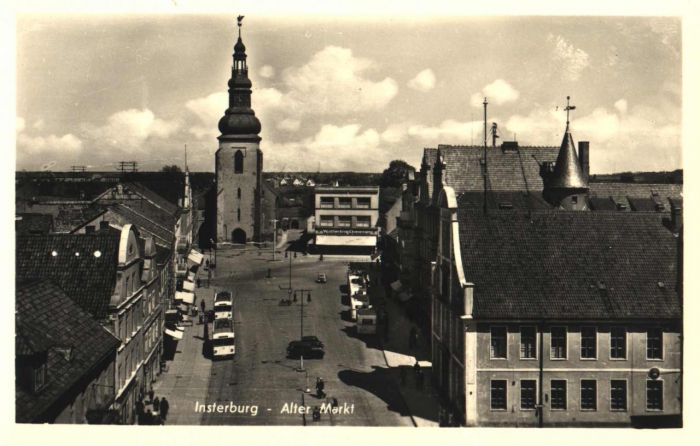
column 494, row 134
column 485, row 156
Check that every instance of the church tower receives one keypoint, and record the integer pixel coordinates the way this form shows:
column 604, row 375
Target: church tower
column 239, row 160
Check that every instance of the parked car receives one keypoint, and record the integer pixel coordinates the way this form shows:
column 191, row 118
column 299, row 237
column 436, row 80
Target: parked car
column 321, row 278
column 313, row 340
column 296, row 349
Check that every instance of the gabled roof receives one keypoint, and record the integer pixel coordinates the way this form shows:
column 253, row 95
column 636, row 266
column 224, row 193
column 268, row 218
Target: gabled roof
column 165, row 235
column 507, row 170
column 71, row 216
column 506, row 201
column 573, row 265
column 621, row 192
column 88, row 279
column 49, row 318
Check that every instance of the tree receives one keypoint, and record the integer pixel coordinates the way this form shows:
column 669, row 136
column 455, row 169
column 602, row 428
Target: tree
column 171, row 169
column 395, row 174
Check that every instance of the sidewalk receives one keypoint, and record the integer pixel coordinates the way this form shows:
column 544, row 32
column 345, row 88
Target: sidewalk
column 187, row 378
column 423, row 405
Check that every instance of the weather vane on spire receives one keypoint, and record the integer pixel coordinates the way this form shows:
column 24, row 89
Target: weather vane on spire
column 240, row 23
column 568, row 107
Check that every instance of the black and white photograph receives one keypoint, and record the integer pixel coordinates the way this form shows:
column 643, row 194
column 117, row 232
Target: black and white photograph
column 252, row 216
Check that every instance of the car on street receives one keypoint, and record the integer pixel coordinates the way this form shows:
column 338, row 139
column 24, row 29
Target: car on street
column 321, row 278
column 308, row 349
column 313, row 340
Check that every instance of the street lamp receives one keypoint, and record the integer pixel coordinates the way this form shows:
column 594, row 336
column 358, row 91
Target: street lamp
column 301, row 298
column 213, row 243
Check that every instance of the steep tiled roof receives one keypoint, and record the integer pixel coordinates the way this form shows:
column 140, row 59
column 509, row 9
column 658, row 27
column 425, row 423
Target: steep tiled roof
column 387, row 197
column 602, row 204
column 165, row 235
column 45, row 312
column 33, row 223
column 507, row 170
column 70, row 216
column 502, row 201
column 567, row 172
column 89, row 280
column 620, row 193
column 153, row 197
column 557, row 264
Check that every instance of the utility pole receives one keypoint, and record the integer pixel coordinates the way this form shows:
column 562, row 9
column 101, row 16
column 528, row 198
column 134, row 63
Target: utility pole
column 274, row 243
column 301, row 297
column 486, row 163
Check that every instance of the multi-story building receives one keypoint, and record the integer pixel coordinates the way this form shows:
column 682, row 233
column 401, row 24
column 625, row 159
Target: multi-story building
column 112, row 275
column 64, row 359
column 556, row 317
column 346, row 220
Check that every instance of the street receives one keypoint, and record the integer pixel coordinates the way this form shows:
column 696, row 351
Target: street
column 260, row 386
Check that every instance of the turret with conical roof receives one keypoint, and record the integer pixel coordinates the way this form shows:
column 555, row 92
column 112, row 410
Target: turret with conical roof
column 565, row 184
column 239, row 121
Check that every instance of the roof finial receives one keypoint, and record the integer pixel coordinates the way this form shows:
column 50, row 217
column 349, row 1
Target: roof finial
column 240, row 23
column 568, row 107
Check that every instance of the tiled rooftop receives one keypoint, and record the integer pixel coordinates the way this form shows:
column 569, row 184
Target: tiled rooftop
column 47, row 318
column 558, row 264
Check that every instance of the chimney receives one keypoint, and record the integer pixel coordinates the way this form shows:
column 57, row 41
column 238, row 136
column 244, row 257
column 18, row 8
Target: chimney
column 677, row 217
column 583, row 158
column 89, row 229
column 104, row 225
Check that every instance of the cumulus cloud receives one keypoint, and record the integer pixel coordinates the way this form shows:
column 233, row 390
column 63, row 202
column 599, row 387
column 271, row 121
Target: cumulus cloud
column 289, row 125
column 423, row 82
column 449, row 132
column 209, row 110
column 128, row 130
column 572, row 60
column 55, row 145
column 267, row 71
column 498, row 92
column 334, row 82
column 638, row 138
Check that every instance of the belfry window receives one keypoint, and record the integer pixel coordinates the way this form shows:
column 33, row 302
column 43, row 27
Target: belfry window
column 238, row 162
column 239, row 214
column 239, row 192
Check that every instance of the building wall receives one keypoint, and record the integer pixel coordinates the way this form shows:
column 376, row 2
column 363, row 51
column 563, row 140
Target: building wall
column 249, row 182
column 635, row 369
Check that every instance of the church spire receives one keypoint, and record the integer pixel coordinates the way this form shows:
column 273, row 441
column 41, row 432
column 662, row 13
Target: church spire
column 239, row 121
column 567, row 170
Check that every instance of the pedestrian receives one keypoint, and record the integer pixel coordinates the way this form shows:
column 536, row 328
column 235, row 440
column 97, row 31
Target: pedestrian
column 416, row 368
column 202, row 304
column 164, row 406
column 199, row 282
column 150, row 395
column 335, row 402
column 402, row 374
column 156, row 404
column 319, row 387
column 207, row 263
column 148, row 418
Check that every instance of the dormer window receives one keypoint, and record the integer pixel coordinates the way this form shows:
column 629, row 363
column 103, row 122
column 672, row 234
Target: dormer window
column 39, row 377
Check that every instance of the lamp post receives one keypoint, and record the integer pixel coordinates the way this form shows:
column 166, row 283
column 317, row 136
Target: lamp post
column 274, row 243
column 301, row 320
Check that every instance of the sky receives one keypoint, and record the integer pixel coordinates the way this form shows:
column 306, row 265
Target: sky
column 344, row 92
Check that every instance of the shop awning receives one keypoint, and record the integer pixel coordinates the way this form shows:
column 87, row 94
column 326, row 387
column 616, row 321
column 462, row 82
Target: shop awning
column 346, row 240
column 183, row 308
column 190, row 276
column 185, row 297
column 187, row 285
column 196, row 257
column 174, row 334
column 396, row 286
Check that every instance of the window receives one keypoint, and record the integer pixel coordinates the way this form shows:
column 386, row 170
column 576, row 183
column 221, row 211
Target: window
column 327, row 202
column 499, row 343
column 239, row 214
column 655, row 395
column 40, row 377
column 618, row 343
column 558, row 394
column 345, row 203
column 654, row 343
column 363, row 222
column 574, row 199
column 239, row 192
column 558, row 342
column 238, row 162
column 128, row 324
column 345, row 221
column 589, row 394
column 618, row 394
column 528, row 392
column 589, row 340
column 326, row 220
column 528, row 343
column 498, row 394
column 119, row 376
column 363, row 203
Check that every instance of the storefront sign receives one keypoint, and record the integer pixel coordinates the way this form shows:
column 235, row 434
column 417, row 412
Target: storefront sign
column 355, row 231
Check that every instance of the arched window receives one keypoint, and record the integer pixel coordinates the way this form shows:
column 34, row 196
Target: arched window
column 239, row 192
column 239, row 214
column 238, row 162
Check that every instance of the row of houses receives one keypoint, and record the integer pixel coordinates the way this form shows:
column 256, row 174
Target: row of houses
column 95, row 276
column 547, row 300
